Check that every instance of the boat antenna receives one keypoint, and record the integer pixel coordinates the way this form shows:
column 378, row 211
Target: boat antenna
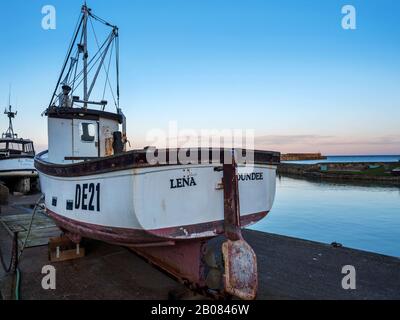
column 11, row 115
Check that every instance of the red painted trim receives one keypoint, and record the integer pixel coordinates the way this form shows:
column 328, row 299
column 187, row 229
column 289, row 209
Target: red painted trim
column 124, row 236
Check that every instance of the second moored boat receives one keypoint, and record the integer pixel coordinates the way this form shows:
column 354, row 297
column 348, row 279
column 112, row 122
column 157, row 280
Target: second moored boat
column 17, row 169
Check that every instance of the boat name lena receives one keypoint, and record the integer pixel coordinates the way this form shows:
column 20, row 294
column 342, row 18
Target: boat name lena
column 182, row 182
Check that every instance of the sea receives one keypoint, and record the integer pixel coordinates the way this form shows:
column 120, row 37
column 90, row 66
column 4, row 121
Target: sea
column 361, row 216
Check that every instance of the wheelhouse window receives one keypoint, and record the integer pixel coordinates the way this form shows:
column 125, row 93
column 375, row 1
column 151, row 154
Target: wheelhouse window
column 88, row 132
column 15, row 146
column 3, row 150
column 28, row 148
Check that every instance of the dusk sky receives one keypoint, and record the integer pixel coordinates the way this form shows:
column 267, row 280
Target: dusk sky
column 286, row 69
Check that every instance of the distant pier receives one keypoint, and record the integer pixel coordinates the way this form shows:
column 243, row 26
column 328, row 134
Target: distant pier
column 379, row 172
column 302, row 156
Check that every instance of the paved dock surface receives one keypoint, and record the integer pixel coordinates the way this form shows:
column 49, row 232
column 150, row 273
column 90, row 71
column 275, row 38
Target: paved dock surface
column 288, row 269
column 291, row 268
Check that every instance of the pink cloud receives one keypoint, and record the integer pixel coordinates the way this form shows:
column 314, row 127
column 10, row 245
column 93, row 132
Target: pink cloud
column 389, row 144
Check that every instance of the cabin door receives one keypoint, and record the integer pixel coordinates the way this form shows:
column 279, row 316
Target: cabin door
column 86, row 139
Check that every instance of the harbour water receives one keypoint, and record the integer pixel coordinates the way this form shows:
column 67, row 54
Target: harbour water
column 392, row 158
column 362, row 217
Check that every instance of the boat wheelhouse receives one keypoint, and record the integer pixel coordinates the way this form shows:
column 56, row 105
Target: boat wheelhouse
column 22, row 151
column 16, row 159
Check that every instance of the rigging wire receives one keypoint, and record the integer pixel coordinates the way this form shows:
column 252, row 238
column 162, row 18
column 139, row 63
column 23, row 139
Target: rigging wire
column 101, row 20
column 107, row 77
column 68, row 75
column 117, row 65
column 76, row 69
column 37, row 205
column 91, row 60
column 108, row 69
column 75, row 35
column 89, row 70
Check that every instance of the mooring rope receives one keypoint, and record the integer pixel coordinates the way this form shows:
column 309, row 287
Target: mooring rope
column 15, row 256
column 30, row 226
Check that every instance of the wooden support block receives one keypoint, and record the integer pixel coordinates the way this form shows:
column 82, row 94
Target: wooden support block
column 63, row 249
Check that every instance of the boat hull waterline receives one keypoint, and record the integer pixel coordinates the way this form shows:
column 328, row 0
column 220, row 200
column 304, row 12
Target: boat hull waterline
column 153, row 204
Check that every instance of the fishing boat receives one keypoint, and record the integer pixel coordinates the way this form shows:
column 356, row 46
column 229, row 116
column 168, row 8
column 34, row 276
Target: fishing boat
column 17, row 168
column 155, row 201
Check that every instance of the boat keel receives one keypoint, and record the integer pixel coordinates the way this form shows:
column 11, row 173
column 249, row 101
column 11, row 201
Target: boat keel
column 221, row 266
column 240, row 276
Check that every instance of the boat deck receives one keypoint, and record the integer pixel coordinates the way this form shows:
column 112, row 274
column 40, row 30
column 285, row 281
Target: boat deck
column 288, row 269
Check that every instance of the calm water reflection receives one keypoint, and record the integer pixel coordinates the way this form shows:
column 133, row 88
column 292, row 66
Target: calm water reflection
column 362, row 217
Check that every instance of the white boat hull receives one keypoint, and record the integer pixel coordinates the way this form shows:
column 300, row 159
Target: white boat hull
column 153, row 204
column 17, row 167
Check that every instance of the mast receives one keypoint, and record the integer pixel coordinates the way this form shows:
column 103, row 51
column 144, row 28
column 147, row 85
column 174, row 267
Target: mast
column 85, row 55
column 11, row 115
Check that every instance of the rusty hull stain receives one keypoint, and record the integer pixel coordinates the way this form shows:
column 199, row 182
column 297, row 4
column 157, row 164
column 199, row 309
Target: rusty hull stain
column 240, row 278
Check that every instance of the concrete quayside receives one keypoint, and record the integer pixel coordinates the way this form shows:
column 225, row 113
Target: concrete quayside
column 288, row 268
column 377, row 172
